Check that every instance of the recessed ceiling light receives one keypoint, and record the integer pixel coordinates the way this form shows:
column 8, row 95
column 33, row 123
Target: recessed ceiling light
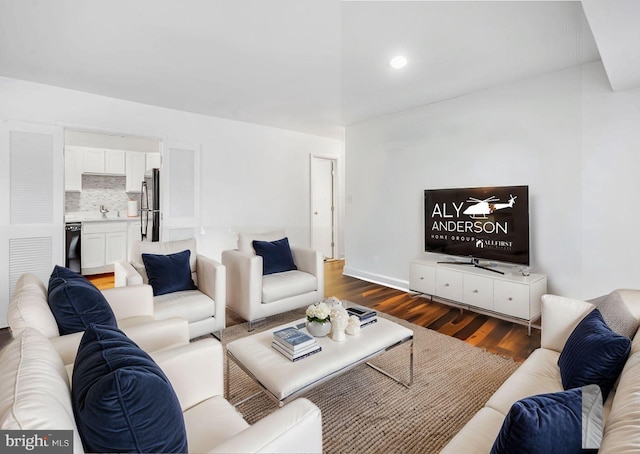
column 398, row 62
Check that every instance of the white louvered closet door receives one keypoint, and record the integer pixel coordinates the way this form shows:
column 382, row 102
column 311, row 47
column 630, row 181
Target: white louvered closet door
column 180, row 190
column 32, row 201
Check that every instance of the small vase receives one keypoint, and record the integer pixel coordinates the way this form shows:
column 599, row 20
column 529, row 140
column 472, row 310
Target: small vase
column 317, row 329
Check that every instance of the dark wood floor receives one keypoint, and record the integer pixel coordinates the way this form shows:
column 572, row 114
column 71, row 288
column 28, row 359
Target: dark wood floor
column 497, row 336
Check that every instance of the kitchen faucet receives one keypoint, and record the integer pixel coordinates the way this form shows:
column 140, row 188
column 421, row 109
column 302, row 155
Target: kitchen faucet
column 104, row 211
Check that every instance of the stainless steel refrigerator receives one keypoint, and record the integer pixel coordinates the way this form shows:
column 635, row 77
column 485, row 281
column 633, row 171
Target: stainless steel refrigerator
column 150, row 206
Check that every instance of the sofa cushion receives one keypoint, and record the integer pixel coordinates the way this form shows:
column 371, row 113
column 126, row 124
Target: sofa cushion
column 278, row 286
column 276, row 256
column 192, row 305
column 75, row 302
column 593, row 354
column 552, row 422
column 122, row 400
column 539, row 374
column 35, row 387
column 169, row 273
column 245, row 239
column 28, row 307
column 616, row 314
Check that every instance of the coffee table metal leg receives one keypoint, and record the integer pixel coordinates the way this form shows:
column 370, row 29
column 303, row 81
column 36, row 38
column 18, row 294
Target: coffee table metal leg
column 397, row 380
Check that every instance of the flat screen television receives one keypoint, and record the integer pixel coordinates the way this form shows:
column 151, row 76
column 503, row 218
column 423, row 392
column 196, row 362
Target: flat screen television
column 490, row 223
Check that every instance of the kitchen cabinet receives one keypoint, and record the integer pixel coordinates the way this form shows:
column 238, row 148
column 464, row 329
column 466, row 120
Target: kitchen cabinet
column 93, row 161
column 103, row 243
column 114, row 162
column 105, row 162
column 73, row 166
column 136, row 165
column 153, row 161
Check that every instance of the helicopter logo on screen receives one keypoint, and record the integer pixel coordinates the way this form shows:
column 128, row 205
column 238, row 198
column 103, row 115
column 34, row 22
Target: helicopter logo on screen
column 482, row 208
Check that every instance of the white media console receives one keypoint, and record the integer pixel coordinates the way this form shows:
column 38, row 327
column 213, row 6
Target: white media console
column 509, row 296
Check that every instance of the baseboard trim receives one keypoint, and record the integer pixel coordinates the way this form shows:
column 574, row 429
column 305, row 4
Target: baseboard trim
column 379, row 279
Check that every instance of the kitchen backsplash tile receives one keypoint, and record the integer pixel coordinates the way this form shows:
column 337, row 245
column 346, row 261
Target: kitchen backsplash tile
column 97, row 190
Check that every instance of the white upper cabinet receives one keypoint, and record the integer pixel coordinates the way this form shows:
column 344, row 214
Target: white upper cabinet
column 73, row 166
column 114, row 162
column 153, row 161
column 106, row 162
column 93, row 161
column 136, row 164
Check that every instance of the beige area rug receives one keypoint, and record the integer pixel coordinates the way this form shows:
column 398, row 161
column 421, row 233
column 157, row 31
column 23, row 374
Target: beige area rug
column 365, row 412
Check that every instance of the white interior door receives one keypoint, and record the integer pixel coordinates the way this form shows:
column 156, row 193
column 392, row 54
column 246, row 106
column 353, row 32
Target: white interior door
column 323, row 205
column 32, row 201
column 180, row 190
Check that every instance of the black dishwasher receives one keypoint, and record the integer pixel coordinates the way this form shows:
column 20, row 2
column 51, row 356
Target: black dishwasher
column 72, row 246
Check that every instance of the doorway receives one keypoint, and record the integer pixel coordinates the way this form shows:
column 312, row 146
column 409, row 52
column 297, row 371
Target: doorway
column 323, row 211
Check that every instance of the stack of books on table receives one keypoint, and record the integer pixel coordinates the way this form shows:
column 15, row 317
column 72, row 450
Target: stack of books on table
column 365, row 315
column 294, row 344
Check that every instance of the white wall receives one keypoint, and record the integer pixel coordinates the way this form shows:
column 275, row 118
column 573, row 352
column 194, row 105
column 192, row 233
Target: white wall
column 566, row 135
column 252, row 176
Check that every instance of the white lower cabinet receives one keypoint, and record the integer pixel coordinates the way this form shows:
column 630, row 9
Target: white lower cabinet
column 102, row 244
column 508, row 295
column 92, row 245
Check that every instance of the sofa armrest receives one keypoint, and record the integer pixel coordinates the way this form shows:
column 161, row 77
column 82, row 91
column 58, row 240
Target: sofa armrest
column 195, row 370
column 560, row 316
column 150, row 336
column 125, row 274
column 294, row 428
column 212, row 281
column 631, row 298
column 130, row 301
column 154, row 335
column 244, row 282
column 67, row 346
column 310, row 261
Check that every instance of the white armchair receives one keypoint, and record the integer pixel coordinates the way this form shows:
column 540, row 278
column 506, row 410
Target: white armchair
column 254, row 296
column 203, row 308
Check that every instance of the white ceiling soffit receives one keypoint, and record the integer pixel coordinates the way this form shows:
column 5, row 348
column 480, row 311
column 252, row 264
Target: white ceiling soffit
column 616, row 24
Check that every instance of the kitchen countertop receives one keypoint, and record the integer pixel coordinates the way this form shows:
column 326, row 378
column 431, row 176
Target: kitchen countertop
column 96, row 216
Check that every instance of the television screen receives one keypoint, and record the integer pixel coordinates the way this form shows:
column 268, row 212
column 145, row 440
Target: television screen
column 489, row 223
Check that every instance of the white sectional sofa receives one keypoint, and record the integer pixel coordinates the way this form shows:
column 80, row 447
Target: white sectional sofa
column 132, row 307
column 35, row 394
column 540, row 374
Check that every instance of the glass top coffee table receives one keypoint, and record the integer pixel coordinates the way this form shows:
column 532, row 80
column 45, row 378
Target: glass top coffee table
column 284, row 380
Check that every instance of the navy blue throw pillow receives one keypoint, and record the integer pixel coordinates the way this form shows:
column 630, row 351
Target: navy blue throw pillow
column 593, row 354
column 75, row 302
column 546, row 423
column 276, row 256
column 122, row 401
column 169, row 273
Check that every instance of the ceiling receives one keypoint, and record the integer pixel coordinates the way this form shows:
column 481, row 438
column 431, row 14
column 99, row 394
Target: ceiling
column 313, row 66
